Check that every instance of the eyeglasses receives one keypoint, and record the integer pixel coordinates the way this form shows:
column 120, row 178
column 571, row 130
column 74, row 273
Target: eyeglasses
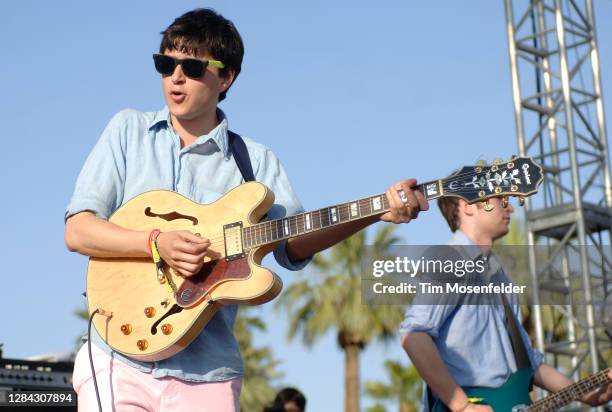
column 193, row 68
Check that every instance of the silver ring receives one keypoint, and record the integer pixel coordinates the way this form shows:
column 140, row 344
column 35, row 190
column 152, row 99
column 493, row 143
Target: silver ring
column 403, row 197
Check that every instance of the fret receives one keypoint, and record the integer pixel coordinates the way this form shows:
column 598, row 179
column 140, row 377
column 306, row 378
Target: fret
column 367, row 207
column 251, row 235
column 293, row 225
column 376, row 203
column 355, row 210
column 333, row 217
column 265, row 231
column 286, row 229
column 343, row 212
column 245, row 237
column 324, row 217
column 307, row 224
column 257, row 229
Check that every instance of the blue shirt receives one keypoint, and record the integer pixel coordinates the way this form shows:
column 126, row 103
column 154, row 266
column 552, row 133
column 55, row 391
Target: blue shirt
column 139, row 152
column 473, row 340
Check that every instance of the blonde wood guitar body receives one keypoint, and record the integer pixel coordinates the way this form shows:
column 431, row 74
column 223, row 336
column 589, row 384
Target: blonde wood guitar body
column 149, row 319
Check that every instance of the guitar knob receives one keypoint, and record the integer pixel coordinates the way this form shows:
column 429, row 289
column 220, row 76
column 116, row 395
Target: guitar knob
column 498, row 161
column 149, row 312
column 481, row 163
column 126, row 329
column 166, row 328
column 142, row 344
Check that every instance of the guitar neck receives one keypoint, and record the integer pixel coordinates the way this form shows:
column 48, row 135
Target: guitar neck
column 570, row 393
column 275, row 230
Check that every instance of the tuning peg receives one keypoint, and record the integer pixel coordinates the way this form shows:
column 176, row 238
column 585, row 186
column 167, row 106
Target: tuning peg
column 521, row 200
column 488, row 206
column 504, row 202
column 481, row 163
column 498, row 161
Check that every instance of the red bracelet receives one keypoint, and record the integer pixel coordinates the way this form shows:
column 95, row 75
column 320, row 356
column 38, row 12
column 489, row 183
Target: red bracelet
column 152, row 238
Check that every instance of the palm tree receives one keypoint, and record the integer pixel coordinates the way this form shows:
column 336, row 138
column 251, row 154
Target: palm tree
column 259, row 363
column 405, row 386
column 331, row 300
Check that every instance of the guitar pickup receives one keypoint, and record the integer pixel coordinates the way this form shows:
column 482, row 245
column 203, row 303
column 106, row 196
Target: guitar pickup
column 232, row 236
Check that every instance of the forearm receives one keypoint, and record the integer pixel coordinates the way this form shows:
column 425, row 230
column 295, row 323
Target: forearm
column 552, row 380
column 92, row 236
column 547, row 377
column 428, row 362
column 307, row 245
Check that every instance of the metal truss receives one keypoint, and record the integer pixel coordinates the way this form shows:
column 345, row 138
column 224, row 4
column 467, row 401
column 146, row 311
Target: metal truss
column 559, row 113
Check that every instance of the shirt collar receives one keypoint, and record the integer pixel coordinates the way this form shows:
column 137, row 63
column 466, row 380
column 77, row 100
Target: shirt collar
column 471, row 251
column 160, row 116
column 217, row 135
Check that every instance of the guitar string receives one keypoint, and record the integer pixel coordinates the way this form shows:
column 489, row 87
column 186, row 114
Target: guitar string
column 218, row 239
column 569, row 394
column 262, row 229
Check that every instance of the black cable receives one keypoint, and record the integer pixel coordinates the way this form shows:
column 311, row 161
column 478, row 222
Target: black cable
column 93, row 372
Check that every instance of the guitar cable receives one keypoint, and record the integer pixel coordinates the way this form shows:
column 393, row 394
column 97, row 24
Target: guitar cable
column 93, row 372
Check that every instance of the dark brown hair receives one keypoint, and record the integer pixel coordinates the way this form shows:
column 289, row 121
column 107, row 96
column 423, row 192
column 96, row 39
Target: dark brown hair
column 204, row 31
column 449, row 206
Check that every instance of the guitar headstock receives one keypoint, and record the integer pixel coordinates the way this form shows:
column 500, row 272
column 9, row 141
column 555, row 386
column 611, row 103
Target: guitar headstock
column 519, row 177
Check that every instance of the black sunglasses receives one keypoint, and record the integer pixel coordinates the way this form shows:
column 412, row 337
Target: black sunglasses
column 193, row 68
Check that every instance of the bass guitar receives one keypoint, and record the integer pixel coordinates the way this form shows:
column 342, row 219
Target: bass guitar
column 513, row 396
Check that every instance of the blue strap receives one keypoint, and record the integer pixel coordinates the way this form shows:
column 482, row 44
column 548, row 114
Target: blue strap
column 241, row 156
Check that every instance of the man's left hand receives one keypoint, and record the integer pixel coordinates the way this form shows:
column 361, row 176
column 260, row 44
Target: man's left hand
column 601, row 396
column 404, row 203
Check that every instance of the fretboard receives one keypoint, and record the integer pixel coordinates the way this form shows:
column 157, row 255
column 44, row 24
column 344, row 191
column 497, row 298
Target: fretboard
column 571, row 393
column 275, row 230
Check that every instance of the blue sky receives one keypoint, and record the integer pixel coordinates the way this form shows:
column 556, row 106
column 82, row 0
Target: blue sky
column 352, row 97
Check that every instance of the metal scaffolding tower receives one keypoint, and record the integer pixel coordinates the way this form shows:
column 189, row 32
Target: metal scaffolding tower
column 559, row 115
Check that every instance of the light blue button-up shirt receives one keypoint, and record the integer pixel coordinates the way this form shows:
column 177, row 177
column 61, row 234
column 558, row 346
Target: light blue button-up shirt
column 139, row 152
column 473, row 340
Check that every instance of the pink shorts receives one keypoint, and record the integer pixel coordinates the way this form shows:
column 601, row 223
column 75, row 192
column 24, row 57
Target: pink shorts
column 123, row 388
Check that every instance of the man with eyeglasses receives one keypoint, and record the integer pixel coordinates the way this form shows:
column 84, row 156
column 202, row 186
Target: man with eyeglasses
column 460, row 341
column 184, row 147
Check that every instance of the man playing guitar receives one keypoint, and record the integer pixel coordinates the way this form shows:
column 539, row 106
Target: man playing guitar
column 457, row 346
column 184, row 148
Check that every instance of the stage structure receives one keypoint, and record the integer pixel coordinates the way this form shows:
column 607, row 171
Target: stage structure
column 559, row 113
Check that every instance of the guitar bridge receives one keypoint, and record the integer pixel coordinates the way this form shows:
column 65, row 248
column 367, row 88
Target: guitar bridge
column 232, row 235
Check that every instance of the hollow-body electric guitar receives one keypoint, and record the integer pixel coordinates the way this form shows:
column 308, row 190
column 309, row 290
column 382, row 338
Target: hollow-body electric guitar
column 513, row 396
column 151, row 315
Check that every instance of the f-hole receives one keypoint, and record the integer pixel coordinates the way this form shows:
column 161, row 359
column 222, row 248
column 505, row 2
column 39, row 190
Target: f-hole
column 173, row 310
column 170, row 216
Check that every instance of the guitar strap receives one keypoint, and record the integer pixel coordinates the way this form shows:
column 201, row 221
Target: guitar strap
column 241, row 156
column 518, row 346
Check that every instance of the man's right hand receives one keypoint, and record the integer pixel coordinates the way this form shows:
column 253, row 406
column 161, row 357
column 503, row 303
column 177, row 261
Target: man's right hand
column 474, row 407
column 183, row 251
